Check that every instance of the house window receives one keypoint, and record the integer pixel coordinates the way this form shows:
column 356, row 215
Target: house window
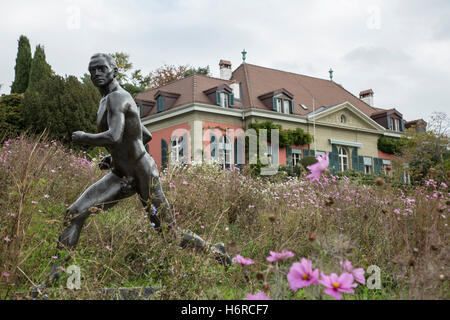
column 367, row 165
column 296, row 157
column 343, row 159
column 396, row 125
column 279, row 102
column 286, row 104
column 386, row 167
column 225, row 152
column 343, row 119
column 176, row 152
column 224, row 100
column 282, row 105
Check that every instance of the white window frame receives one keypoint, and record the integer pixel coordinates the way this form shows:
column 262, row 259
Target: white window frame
column 343, row 159
column 296, row 158
column 279, row 103
column 286, row 105
column 176, row 150
column 225, row 151
column 224, row 103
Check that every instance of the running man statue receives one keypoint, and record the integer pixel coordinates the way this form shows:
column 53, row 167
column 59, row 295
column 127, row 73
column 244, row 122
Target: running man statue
column 132, row 169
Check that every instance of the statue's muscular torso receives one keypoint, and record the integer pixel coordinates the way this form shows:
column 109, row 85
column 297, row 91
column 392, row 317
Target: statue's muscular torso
column 129, row 148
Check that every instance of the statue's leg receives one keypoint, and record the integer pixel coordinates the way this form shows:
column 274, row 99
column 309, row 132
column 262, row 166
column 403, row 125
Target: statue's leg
column 103, row 194
column 151, row 192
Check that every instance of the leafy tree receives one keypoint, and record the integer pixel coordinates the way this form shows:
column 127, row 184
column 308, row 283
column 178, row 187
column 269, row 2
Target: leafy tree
column 428, row 153
column 11, row 122
column 390, row 145
column 123, row 64
column 168, row 73
column 135, row 82
column 23, row 65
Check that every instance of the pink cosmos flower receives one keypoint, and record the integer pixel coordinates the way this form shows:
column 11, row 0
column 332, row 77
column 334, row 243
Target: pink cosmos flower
column 251, row 206
column 335, row 285
column 185, row 182
column 244, row 261
column 108, row 248
column 7, row 239
column 301, row 274
column 318, row 167
column 33, row 202
column 5, row 274
column 357, row 273
column 258, row 296
column 283, row 255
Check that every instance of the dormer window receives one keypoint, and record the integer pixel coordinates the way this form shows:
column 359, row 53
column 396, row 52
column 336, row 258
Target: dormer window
column 221, row 96
column 224, row 100
column 280, row 101
column 165, row 100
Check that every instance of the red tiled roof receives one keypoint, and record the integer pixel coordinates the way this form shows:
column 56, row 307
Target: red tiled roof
column 257, row 81
column 304, row 88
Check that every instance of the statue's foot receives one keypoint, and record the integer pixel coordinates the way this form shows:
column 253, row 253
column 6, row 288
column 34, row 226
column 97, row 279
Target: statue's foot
column 221, row 254
column 192, row 240
column 69, row 237
column 55, row 273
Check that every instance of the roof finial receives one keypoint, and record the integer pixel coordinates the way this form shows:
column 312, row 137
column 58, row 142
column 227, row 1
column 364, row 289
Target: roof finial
column 244, row 53
column 331, row 74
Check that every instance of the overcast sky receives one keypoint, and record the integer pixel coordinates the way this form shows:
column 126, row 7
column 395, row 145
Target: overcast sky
column 400, row 49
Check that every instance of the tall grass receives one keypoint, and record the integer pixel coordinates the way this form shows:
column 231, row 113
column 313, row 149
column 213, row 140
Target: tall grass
column 404, row 232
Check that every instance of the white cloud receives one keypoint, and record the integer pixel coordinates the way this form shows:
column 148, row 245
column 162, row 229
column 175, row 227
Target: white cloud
column 400, row 49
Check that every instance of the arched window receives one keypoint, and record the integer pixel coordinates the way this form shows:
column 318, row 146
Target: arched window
column 176, row 151
column 343, row 119
column 225, row 151
column 343, row 159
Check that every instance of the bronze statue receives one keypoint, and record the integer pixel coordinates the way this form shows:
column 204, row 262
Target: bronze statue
column 133, row 170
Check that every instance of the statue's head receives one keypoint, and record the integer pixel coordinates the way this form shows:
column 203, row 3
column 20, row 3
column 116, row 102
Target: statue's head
column 103, row 69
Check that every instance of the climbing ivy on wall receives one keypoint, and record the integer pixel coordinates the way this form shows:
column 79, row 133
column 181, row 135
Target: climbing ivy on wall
column 389, row 145
column 287, row 137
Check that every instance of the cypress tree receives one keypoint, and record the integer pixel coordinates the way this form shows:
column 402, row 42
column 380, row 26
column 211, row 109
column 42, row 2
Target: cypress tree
column 40, row 70
column 35, row 102
column 23, row 65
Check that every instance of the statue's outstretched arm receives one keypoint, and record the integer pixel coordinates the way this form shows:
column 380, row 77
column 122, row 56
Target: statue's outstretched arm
column 146, row 135
column 116, row 107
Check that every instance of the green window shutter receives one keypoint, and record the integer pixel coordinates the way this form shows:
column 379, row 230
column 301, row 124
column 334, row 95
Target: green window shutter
column 235, row 151
column 334, row 159
column 218, row 98
column 289, row 156
column 403, row 124
column 184, row 149
column 389, row 123
column 274, row 104
column 231, row 100
column 160, row 103
column 305, row 152
column 212, row 145
column 377, row 165
column 361, row 163
column 312, row 153
column 355, row 165
column 164, row 153
column 292, row 106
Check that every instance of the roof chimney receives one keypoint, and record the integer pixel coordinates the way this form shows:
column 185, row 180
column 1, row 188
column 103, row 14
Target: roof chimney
column 225, row 69
column 367, row 96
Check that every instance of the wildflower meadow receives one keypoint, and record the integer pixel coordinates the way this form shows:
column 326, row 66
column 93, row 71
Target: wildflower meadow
column 314, row 237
